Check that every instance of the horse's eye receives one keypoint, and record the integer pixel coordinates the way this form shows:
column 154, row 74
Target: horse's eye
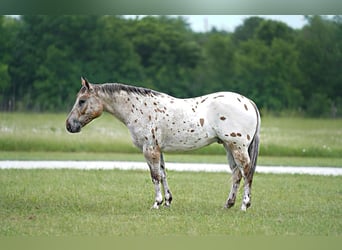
column 81, row 102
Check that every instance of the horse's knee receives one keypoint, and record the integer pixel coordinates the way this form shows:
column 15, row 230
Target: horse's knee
column 152, row 154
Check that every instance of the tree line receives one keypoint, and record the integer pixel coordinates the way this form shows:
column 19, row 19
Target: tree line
column 284, row 70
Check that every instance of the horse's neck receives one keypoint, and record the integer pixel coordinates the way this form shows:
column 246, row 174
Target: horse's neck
column 118, row 104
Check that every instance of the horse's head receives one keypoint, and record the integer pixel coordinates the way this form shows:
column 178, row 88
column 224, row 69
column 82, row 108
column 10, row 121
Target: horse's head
column 87, row 107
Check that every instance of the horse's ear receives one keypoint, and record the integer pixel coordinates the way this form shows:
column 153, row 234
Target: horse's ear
column 85, row 83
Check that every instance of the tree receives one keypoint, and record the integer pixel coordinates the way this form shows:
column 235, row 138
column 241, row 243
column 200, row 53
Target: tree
column 216, row 67
column 53, row 52
column 247, row 30
column 53, row 88
column 320, row 47
column 166, row 53
column 8, row 30
column 43, row 57
column 109, row 56
column 267, row 30
column 268, row 74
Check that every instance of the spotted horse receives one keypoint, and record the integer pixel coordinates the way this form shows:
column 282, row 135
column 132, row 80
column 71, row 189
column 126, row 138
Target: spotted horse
column 161, row 123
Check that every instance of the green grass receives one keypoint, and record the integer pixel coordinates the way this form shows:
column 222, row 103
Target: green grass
column 296, row 138
column 46, row 132
column 107, row 203
column 301, row 137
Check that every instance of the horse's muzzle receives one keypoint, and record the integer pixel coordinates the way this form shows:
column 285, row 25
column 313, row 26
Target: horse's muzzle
column 73, row 126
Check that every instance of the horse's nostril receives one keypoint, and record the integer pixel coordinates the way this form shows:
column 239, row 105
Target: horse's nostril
column 74, row 126
column 68, row 126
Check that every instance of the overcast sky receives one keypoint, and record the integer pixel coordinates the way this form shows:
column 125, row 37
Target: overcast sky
column 230, row 22
column 201, row 23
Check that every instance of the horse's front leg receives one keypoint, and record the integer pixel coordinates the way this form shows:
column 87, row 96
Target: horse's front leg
column 167, row 192
column 152, row 156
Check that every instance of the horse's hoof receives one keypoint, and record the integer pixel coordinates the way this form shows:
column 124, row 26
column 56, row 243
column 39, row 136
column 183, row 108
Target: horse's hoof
column 245, row 206
column 155, row 206
column 229, row 204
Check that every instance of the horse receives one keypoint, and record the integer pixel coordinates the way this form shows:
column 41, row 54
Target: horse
column 160, row 123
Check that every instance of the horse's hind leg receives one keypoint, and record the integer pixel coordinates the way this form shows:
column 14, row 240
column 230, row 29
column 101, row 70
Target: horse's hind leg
column 152, row 155
column 243, row 167
column 236, row 178
column 167, row 192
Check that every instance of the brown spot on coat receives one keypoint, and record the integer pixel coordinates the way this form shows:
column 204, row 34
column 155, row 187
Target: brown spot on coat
column 248, row 137
column 233, row 134
column 202, row 121
column 223, row 118
column 160, row 110
column 238, row 134
column 153, row 135
column 204, row 99
column 246, row 107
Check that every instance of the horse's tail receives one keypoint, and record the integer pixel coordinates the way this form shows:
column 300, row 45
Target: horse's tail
column 253, row 149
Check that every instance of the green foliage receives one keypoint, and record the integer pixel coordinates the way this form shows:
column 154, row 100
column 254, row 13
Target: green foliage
column 320, row 48
column 282, row 69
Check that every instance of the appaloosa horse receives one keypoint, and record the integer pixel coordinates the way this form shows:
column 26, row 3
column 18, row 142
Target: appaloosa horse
column 160, row 123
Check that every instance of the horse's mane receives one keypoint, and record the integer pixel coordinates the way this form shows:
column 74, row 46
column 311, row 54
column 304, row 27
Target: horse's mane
column 111, row 88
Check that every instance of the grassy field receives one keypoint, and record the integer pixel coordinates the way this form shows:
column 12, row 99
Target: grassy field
column 107, row 203
column 284, row 141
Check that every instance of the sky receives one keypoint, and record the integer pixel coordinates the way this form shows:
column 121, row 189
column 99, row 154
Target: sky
column 202, row 23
